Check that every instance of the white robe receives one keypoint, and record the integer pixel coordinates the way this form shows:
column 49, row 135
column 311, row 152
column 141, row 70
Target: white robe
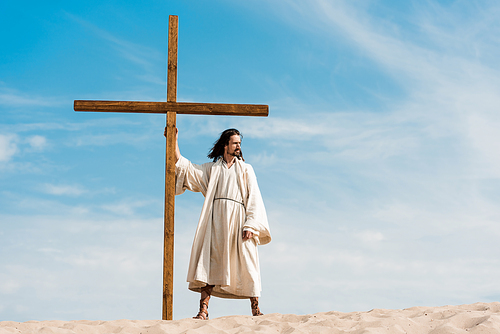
column 233, row 204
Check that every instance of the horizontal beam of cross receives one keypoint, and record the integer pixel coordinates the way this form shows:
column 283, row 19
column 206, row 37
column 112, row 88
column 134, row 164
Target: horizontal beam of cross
column 177, row 107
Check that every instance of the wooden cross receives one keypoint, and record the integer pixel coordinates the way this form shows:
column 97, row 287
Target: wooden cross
column 171, row 108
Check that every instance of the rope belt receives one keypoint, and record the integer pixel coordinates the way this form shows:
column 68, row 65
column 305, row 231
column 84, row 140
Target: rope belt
column 229, row 199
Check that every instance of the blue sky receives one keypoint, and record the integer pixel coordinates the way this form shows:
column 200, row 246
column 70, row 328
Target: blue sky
column 379, row 163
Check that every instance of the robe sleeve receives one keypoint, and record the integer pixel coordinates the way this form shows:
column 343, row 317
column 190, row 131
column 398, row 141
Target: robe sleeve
column 189, row 176
column 256, row 217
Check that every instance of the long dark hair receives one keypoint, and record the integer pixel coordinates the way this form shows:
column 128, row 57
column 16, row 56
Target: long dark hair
column 218, row 149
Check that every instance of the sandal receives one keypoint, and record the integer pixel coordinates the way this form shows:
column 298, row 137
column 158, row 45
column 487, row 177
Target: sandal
column 255, row 306
column 206, row 291
column 203, row 313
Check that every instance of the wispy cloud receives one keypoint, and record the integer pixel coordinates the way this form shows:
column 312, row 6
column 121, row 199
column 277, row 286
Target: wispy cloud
column 449, row 92
column 111, row 122
column 360, row 266
column 12, row 145
column 19, row 138
column 110, row 138
column 117, row 258
column 126, row 207
column 13, row 98
column 146, row 58
column 37, row 142
column 8, row 147
column 63, row 189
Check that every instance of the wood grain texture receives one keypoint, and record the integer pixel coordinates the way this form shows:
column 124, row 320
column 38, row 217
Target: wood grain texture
column 168, row 240
column 173, row 28
column 177, row 107
column 168, row 243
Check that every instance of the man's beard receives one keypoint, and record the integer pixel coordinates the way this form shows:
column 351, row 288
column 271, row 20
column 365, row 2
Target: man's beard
column 236, row 153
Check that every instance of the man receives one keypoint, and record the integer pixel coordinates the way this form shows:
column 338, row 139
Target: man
column 224, row 259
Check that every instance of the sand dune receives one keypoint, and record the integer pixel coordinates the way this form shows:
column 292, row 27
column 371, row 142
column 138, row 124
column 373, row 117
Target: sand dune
column 474, row 318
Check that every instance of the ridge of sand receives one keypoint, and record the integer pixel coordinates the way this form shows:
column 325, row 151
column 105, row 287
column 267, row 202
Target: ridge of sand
column 473, row 318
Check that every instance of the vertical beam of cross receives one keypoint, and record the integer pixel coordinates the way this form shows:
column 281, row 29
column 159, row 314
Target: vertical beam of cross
column 168, row 243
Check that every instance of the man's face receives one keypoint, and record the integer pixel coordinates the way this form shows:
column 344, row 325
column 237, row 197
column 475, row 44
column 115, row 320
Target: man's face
column 233, row 148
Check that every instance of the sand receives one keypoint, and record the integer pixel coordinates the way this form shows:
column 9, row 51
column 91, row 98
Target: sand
column 474, row 318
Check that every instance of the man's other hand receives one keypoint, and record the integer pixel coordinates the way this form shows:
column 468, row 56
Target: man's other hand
column 247, row 235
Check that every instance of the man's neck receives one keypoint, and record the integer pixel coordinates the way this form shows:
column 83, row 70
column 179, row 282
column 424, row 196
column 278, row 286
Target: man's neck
column 229, row 159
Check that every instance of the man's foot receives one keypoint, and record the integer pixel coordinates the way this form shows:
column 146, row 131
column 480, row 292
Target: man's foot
column 206, row 291
column 203, row 313
column 254, row 301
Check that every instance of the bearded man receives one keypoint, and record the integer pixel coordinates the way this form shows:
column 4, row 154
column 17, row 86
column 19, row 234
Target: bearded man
column 224, row 259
